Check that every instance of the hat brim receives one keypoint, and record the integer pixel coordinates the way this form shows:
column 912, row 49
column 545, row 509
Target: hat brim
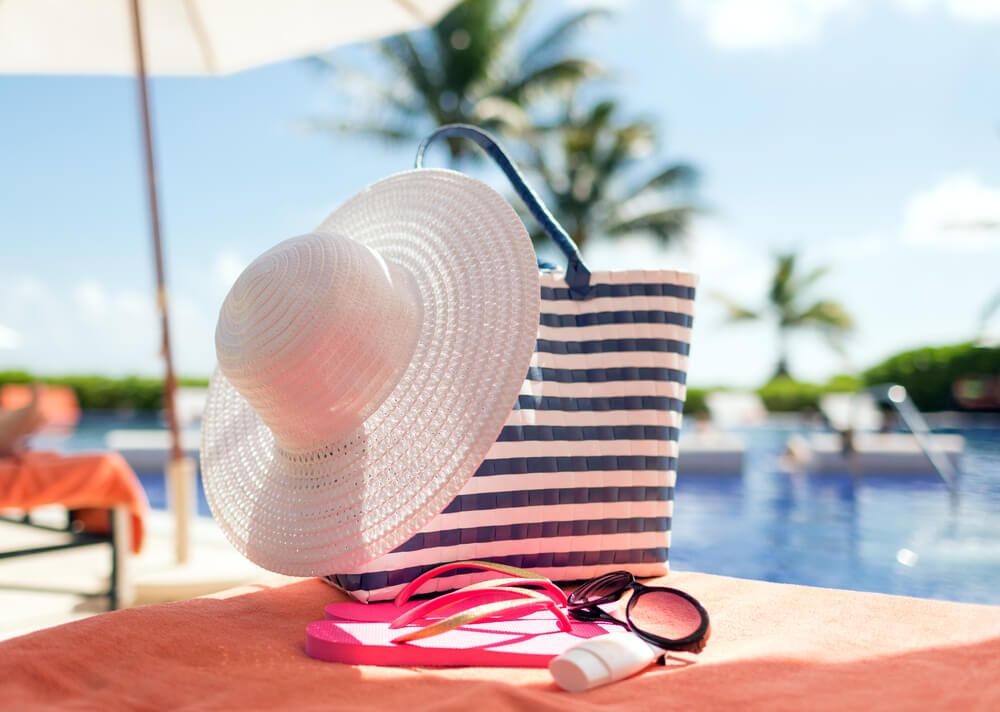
column 360, row 497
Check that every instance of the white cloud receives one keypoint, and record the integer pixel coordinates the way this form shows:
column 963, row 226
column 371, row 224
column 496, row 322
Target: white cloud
column 959, row 212
column 709, row 244
column 9, row 338
column 859, row 246
column 25, row 288
column 738, row 268
column 975, row 10
column 968, row 10
column 768, row 24
column 758, row 24
column 91, row 299
column 722, row 261
column 229, row 264
column 615, row 5
column 98, row 327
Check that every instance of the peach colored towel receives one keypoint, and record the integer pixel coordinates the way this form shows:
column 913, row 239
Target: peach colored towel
column 88, row 480
column 773, row 647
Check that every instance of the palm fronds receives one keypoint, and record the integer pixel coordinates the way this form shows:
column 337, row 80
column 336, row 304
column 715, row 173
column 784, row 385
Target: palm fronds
column 788, row 308
column 468, row 68
column 587, row 167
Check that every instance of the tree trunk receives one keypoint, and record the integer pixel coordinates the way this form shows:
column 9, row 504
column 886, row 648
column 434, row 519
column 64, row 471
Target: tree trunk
column 782, row 369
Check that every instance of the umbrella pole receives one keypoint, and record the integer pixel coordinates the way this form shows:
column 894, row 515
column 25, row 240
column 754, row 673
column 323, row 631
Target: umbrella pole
column 180, row 470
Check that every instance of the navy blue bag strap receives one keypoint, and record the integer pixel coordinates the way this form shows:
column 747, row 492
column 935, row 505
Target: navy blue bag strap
column 577, row 272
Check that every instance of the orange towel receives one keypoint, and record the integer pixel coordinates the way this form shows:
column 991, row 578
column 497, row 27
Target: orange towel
column 99, row 480
column 773, row 646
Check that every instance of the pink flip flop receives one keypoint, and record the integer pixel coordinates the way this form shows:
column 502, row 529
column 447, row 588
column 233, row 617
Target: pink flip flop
column 413, row 611
column 504, row 629
column 528, row 641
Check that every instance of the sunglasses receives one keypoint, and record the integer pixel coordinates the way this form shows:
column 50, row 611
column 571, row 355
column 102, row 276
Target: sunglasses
column 666, row 618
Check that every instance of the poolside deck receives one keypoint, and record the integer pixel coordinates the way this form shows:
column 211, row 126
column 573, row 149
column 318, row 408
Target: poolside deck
column 44, row 590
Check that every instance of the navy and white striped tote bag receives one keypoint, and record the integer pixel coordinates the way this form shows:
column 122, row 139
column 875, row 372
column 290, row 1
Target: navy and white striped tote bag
column 581, row 479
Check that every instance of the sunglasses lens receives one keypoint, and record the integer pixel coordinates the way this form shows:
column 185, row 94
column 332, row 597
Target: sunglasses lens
column 601, row 589
column 665, row 615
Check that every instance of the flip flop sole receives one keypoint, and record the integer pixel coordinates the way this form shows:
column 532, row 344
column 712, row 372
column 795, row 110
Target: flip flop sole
column 531, row 641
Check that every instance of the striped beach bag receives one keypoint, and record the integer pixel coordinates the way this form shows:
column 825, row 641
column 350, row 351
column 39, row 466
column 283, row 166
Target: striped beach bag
column 581, row 479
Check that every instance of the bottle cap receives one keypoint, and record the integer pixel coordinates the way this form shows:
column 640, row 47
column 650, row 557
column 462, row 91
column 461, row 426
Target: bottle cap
column 601, row 660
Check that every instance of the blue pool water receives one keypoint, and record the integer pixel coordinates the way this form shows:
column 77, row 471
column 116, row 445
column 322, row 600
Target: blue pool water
column 893, row 534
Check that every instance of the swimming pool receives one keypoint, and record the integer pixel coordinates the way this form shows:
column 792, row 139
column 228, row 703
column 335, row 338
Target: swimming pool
column 893, row 534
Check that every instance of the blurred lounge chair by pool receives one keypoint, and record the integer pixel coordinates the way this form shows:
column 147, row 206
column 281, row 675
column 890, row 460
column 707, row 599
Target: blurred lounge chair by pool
column 882, row 453
column 103, row 499
column 851, row 411
column 864, row 439
column 711, row 448
column 189, row 402
column 149, row 450
column 736, row 409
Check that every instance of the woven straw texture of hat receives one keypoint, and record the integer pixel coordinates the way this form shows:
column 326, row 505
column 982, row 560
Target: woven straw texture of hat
column 345, row 502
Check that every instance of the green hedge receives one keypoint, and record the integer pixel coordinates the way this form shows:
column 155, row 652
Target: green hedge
column 928, row 374
column 781, row 395
column 103, row 393
column 784, row 395
column 694, row 404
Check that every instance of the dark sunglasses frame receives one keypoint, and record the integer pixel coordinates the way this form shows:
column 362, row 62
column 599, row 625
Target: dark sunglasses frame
column 584, row 608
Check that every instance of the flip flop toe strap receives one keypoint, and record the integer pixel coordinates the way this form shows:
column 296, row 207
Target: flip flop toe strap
column 527, row 599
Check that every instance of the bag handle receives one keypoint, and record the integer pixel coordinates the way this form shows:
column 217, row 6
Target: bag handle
column 577, row 272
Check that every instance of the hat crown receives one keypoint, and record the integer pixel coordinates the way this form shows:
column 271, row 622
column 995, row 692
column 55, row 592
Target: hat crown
column 315, row 334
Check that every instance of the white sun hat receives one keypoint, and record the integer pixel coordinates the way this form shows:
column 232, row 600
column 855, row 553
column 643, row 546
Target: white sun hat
column 365, row 370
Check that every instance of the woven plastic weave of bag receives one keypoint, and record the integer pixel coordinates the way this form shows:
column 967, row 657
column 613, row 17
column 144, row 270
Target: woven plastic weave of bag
column 581, row 479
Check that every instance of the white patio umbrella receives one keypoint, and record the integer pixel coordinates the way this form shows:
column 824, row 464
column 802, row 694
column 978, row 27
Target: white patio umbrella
column 185, row 37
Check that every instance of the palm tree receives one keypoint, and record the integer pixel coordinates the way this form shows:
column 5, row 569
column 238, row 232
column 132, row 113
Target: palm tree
column 587, row 162
column 587, row 176
column 471, row 67
column 790, row 308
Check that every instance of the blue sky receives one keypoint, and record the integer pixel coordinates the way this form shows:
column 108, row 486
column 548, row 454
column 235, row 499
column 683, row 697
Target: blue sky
column 860, row 132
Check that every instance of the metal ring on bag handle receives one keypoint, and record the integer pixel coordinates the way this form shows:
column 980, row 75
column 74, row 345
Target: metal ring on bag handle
column 577, row 272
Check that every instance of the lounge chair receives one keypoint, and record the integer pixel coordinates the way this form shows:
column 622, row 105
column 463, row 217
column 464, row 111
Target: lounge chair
column 712, row 448
column 859, row 444
column 117, row 535
column 104, row 501
column 149, row 450
column 189, row 402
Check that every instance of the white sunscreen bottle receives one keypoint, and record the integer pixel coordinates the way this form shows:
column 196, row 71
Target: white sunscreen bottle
column 601, row 660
